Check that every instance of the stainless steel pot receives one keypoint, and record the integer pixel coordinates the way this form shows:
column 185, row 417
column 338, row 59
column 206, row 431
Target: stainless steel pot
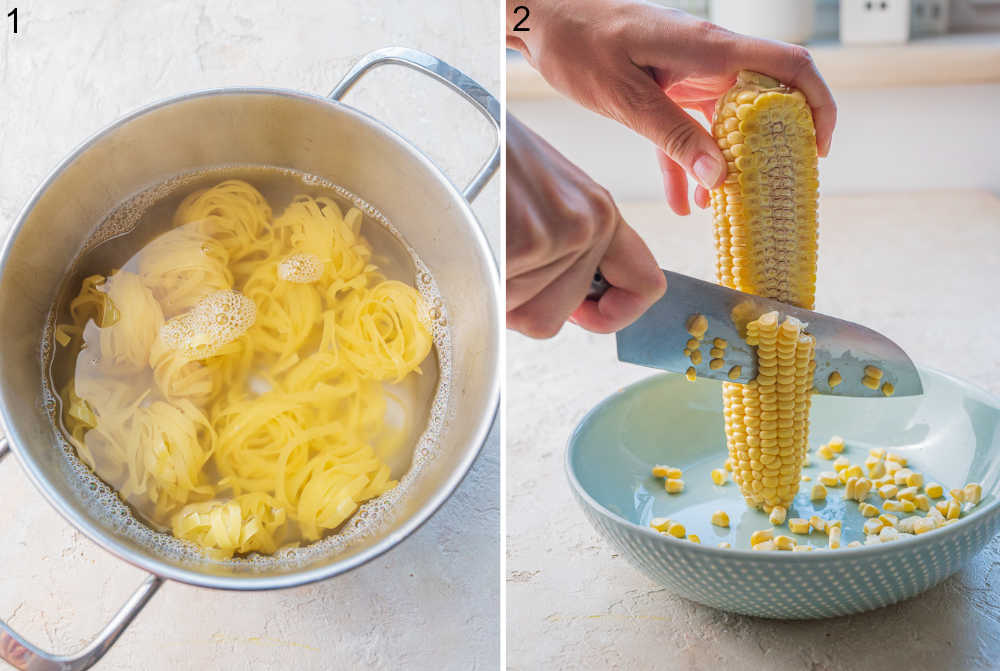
column 281, row 128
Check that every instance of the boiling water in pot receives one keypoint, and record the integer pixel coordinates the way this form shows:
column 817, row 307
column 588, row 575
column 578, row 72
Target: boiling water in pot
column 414, row 407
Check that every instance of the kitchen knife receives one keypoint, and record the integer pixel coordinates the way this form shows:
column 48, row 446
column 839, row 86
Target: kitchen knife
column 658, row 338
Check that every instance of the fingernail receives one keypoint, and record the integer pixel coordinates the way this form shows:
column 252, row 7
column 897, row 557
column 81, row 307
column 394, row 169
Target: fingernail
column 707, row 170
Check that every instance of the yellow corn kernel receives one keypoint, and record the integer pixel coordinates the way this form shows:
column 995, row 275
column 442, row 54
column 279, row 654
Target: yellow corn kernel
column 766, row 545
column 692, row 344
column 817, row 523
column 888, row 534
column 922, row 525
column 900, row 476
column 777, row 516
column 735, row 372
column 884, row 480
column 828, row 478
column 862, row 488
column 836, row 444
column 898, row 458
column 888, row 520
column 661, row 471
column 888, row 389
column 718, row 476
column 694, row 538
column 728, row 465
column 958, row 495
column 868, row 510
column 834, row 379
column 716, row 364
column 784, row 542
column 854, row 544
column 873, row 526
column 888, row 491
column 907, row 494
column 873, row 371
column 914, row 479
column 891, row 467
column 818, row 492
column 677, row 530
column 834, row 523
column 954, row 510
column 716, row 353
column 899, row 506
column 840, row 463
column 673, row 485
column 724, row 545
column 659, row 523
column 851, row 490
column 825, row 452
column 852, row 471
column 834, row 538
column 973, row 492
column 686, row 351
column 877, row 452
column 934, row 490
column 869, row 382
column 720, row 518
column 690, row 374
column 942, row 507
column 803, row 548
column 798, row 525
column 876, row 470
column 761, row 535
column 905, row 525
column 696, row 357
column 719, row 343
column 923, row 502
column 697, row 325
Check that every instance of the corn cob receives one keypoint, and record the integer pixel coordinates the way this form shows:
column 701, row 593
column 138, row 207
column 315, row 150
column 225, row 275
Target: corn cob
column 765, row 236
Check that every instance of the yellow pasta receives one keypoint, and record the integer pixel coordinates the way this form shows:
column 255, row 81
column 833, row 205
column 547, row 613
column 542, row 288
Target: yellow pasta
column 231, row 388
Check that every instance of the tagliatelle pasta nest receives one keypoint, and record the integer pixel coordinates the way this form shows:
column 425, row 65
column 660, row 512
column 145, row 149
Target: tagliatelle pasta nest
column 228, row 382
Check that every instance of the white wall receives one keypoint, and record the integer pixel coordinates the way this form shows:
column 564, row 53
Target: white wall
column 889, row 139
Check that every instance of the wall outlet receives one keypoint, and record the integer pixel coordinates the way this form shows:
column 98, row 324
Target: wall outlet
column 874, row 21
column 929, row 17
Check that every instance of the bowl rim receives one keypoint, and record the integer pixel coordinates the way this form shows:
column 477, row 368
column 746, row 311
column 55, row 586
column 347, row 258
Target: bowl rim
column 107, row 539
column 940, row 534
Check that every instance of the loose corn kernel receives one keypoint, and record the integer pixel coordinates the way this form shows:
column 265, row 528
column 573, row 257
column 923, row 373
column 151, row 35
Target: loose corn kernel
column 898, row 458
column 834, row 523
column 954, row 510
column 818, row 492
column 696, row 357
column 891, row 467
column 942, row 507
column 851, row 491
column 720, row 518
column 716, row 353
column 724, row 545
column 877, row 470
column 900, row 476
column 784, row 542
column 869, row 382
column 761, row 535
column 888, row 534
column 836, row 444
column 935, row 515
column 673, row 485
column 884, row 480
column 873, row 371
column 817, row 523
column 973, row 492
column 720, row 343
column 934, row 490
column 716, row 364
column 766, row 545
column 877, row 452
column 834, row 538
column 915, row 479
column 862, row 488
column 828, row 478
column 729, row 464
column 852, row 471
column 825, row 452
column 834, row 379
column 958, row 495
column 675, row 473
column 923, row 525
column 718, row 476
column 854, row 544
column 873, row 526
column 802, row 548
column 660, row 471
column 692, row 344
column 888, row 389
column 690, row 374
column 899, row 506
column 697, row 325
column 798, row 525
column 677, row 530
column 889, row 520
column 923, row 502
column 735, row 372
column 694, row 538
column 777, row 516
column 906, row 524
column 659, row 523
column 840, row 463
column 888, row 491
column 907, row 494
column 868, row 510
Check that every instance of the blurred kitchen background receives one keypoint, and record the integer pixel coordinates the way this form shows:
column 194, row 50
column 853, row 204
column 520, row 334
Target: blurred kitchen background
column 917, row 83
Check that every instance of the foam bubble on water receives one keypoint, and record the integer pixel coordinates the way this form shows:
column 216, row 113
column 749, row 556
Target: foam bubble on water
column 216, row 320
column 300, row 268
column 107, row 508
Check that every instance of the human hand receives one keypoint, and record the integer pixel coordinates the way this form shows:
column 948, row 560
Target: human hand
column 562, row 226
column 643, row 65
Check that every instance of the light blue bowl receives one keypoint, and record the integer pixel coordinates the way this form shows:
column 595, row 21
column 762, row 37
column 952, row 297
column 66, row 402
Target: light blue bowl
column 951, row 434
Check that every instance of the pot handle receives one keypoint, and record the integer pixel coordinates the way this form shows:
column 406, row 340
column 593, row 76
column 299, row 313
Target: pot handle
column 447, row 75
column 21, row 654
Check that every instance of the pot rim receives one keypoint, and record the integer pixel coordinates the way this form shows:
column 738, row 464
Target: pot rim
column 104, row 537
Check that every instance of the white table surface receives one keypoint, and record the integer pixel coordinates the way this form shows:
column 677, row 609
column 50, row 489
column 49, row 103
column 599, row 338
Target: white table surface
column 573, row 603
column 74, row 67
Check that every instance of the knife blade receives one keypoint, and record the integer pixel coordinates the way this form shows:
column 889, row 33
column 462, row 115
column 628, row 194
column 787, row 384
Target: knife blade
column 658, row 338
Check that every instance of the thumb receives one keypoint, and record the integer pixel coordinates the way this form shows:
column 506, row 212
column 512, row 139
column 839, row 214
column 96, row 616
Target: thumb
column 649, row 112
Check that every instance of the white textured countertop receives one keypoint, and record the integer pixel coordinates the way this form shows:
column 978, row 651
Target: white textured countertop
column 74, row 67
column 574, row 603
